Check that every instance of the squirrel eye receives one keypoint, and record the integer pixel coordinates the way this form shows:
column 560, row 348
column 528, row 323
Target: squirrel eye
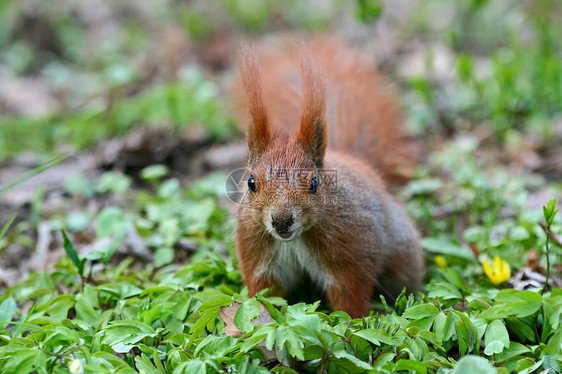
column 252, row 184
column 313, row 186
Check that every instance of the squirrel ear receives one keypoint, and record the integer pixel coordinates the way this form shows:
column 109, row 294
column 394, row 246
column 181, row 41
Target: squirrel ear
column 258, row 130
column 312, row 132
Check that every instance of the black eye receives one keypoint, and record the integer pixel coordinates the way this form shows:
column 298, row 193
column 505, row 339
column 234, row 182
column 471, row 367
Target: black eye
column 252, row 184
column 313, row 186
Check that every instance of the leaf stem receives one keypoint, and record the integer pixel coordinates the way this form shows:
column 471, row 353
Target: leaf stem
column 348, row 341
column 547, row 260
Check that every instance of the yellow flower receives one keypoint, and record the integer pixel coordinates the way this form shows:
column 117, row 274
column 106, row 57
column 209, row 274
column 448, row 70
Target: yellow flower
column 440, row 262
column 499, row 273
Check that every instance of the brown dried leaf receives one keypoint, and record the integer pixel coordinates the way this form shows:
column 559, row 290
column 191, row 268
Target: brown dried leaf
column 227, row 314
column 533, row 260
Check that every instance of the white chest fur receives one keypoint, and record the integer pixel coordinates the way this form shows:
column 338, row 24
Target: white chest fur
column 290, row 260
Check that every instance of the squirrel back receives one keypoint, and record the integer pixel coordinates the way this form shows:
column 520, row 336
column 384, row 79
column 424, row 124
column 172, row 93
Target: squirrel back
column 363, row 116
column 323, row 218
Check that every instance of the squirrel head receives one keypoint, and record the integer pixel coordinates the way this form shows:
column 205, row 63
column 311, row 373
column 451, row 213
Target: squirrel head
column 285, row 172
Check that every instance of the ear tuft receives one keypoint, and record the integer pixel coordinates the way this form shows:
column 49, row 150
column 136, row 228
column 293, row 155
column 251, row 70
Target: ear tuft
column 312, row 132
column 259, row 133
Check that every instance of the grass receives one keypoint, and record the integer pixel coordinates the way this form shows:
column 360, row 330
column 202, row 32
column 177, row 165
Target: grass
column 113, row 317
column 163, row 103
column 505, row 83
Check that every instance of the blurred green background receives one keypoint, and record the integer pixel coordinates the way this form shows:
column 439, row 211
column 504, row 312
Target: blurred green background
column 480, row 83
column 74, row 73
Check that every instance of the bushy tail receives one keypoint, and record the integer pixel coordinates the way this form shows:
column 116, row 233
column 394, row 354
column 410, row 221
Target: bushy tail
column 362, row 114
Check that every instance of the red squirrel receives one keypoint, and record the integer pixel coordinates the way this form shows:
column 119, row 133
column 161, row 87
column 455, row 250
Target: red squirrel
column 324, row 137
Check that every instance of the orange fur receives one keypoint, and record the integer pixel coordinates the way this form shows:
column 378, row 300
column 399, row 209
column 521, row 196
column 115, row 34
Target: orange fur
column 258, row 130
column 351, row 238
column 363, row 117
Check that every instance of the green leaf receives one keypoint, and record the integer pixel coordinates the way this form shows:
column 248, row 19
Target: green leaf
column 286, row 337
column 429, row 337
column 72, row 254
column 169, row 188
column 549, row 213
column 111, row 222
column 383, row 360
column 143, row 363
column 79, row 185
column 6, row 226
column 519, row 303
column 111, row 181
column 452, row 277
column 527, row 365
column 555, row 342
column 445, row 246
column 368, row 11
column 514, row 303
column 59, row 306
column 215, row 346
column 424, row 323
column 549, row 362
column 411, row 365
column 521, row 328
column 86, row 312
column 77, row 221
column 282, row 370
column 7, row 310
column 444, row 290
column 496, row 331
column 344, row 356
column 25, row 360
column 195, row 366
column 164, row 256
column 465, row 67
column 495, row 312
column 207, row 318
column 551, row 205
column 494, row 347
column 444, row 326
column 309, row 322
column 556, row 317
column 474, row 364
column 212, row 298
column 466, row 332
column 478, row 303
column 421, row 311
column 33, row 172
column 449, row 327
column 248, row 311
column 480, row 326
column 378, row 336
column 265, row 332
column 515, row 349
column 547, row 315
column 439, row 324
column 157, row 362
column 121, row 335
column 61, row 335
column 154, row 172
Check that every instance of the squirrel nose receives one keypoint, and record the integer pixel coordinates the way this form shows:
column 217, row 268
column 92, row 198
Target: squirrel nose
column 282, row 223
